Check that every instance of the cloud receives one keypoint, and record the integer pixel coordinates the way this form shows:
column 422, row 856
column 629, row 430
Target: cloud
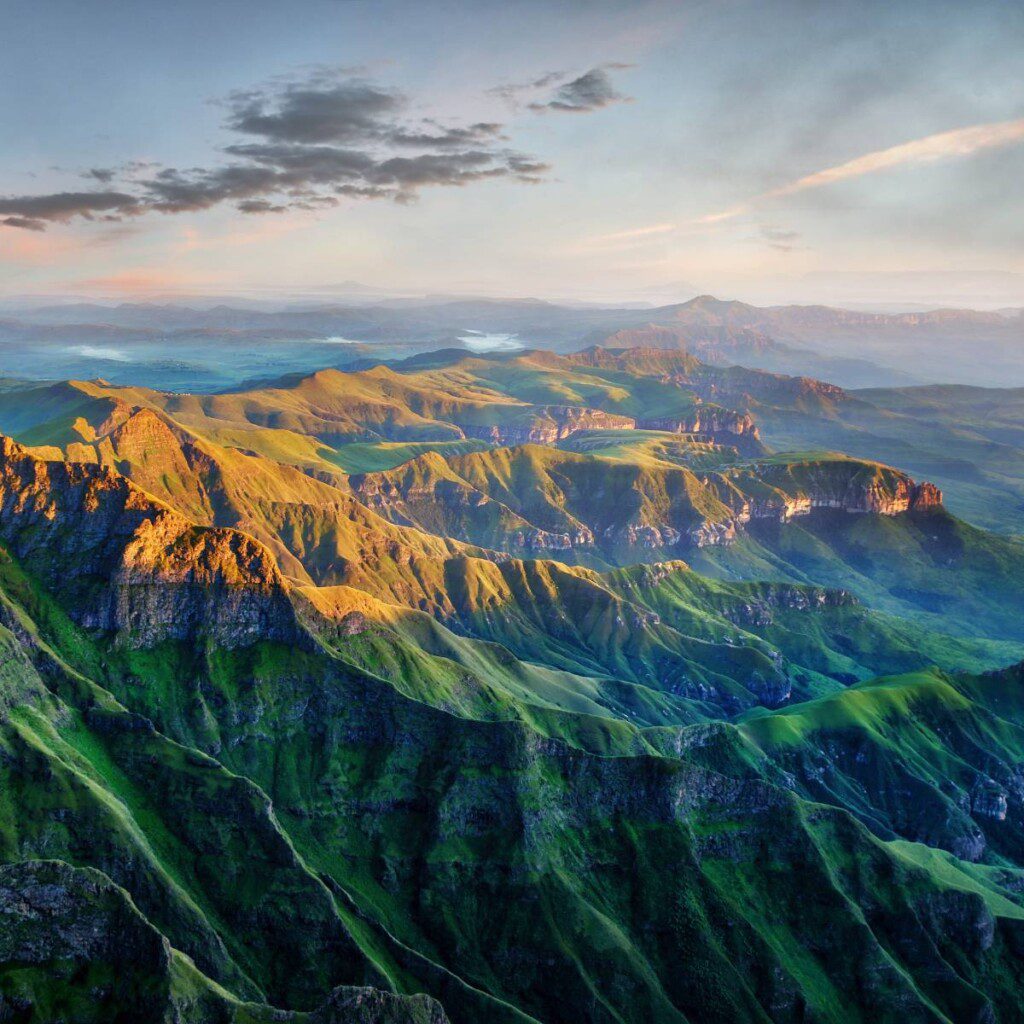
column 959, row 142
column 780, row 238
column 304, row 145
column 445, row 138
column 592, row 91
column 28, row 223
column 104, row 175
column 352, row 111
column 630, row 237
column 512, row 91
column 35, row 212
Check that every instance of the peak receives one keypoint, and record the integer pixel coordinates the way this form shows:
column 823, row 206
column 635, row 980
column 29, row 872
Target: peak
column 702, row 301
column 10, row 449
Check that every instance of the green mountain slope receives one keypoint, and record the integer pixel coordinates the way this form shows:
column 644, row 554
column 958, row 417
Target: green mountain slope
column 930, row 757
column 378, row 835
column 327, row 747
column 966, row 440
column 661, row 627
column 930, row 567
column 632, row 506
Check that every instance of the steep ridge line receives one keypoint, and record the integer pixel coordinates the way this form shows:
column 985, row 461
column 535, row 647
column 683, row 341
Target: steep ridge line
column 535, row 499
column 130, row 564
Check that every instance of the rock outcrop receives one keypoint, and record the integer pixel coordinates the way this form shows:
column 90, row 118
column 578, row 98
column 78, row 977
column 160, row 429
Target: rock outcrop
column 60, row 925
column 360, row 1005
column 721, row 425
column 547, row 424
column 70, row 934
column 533, row 499
column 128, row 564
column 892, row 495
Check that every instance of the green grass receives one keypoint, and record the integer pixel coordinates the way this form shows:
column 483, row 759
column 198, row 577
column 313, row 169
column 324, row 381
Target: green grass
column 383, row 455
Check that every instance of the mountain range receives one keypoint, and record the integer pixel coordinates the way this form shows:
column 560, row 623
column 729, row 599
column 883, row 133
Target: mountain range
column 618, row 684
column 168, row 345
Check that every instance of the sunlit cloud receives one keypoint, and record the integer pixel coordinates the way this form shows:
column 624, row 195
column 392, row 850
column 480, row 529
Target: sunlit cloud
column 633, row 233
column 140, row 282
column 959, row 142
column 715, row 218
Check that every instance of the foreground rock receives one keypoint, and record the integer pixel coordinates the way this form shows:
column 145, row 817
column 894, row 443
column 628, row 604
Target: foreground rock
column 73, row 947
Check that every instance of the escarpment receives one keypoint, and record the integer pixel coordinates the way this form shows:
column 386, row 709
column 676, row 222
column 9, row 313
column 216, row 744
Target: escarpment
column 719, row 425
column 528, row 753
column 547, row 424
column 534, row 499
column 128, row 564
column 784, row 492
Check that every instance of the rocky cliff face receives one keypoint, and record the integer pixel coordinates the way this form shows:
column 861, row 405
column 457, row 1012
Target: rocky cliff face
column 879, row 498
column 533, row 500
column 133, row 566
column 548, row 424
column 58, row 923
column 74, row 933
column 723, row 426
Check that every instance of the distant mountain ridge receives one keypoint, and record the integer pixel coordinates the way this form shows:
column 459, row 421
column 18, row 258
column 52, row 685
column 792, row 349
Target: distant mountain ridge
column 850, row 347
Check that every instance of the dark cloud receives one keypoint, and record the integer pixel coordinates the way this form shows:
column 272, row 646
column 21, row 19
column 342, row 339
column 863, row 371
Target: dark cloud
column 780, row 238
column 34, row 212
column 260, row 206
column 28, row 223
column 308, row 143
column 526, row 169
column 344, row 112
column 104, row 175
column 173, row 191
column 482, row 133
column 591, row 91
column 310, row 164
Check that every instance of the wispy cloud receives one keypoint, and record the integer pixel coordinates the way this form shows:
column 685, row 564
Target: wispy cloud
column 959, row 142
column 633, row 233
column 591, row 91
column 778, row 238
column 510, row 92
column 720, row 215
column 559, row 91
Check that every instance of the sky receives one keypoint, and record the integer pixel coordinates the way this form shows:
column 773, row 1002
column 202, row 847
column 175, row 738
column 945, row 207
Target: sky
column 855, row 153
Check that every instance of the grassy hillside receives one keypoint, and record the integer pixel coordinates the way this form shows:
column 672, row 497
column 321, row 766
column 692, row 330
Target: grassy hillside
column 930, row 567
column 271, row 462
column 291, row 824
column 966, row 440
column 931, row 757
column 625, row 500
